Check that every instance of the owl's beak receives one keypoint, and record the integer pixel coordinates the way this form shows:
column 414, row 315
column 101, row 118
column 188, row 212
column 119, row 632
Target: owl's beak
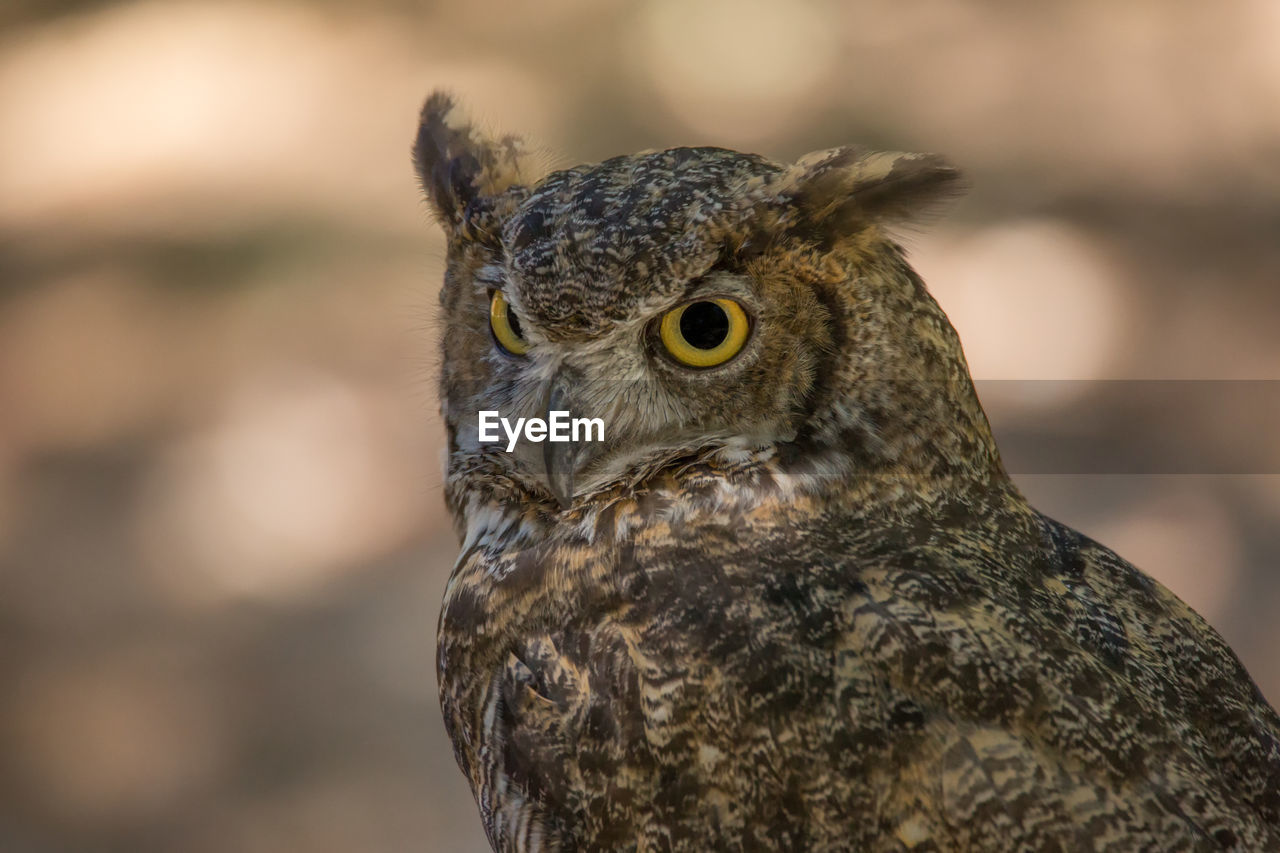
column 559, row 461
column 562, row 460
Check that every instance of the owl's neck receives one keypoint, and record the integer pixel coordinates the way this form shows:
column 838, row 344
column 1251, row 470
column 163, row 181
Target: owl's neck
column 899, row 399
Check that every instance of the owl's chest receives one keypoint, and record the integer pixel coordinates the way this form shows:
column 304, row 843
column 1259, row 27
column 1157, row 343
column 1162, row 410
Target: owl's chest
column 699, row 652
column 654, row 578
column 650, row 623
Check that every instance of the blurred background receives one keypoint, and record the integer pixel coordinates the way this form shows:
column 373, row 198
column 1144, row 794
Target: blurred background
column 222, row 544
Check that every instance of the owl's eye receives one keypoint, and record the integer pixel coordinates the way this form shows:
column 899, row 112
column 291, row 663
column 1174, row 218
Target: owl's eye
column 705, row 333
column 506, row 326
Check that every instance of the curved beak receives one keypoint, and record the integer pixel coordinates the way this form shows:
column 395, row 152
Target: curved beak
column 562, row 460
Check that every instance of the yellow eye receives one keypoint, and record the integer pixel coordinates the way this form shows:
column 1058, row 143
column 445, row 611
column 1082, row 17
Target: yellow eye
column 506, row 326
column 705, row 333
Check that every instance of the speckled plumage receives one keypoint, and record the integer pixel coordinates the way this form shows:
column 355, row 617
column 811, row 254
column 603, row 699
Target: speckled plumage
column 794, row 602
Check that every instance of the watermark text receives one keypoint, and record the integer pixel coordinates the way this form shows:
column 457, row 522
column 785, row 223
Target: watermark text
column 559, row 426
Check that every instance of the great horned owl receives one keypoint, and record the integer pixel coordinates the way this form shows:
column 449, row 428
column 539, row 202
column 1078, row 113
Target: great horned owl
column 791, row 601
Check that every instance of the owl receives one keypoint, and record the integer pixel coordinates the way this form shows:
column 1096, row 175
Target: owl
column 786, row 597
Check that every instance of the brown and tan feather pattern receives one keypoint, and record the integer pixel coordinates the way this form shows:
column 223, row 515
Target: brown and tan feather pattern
column 793, row 602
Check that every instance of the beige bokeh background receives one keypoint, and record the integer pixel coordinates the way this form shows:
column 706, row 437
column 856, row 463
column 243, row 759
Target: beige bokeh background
column 222, row 544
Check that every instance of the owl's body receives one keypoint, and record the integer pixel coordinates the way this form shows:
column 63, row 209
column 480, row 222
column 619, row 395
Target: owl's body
column 793, row 601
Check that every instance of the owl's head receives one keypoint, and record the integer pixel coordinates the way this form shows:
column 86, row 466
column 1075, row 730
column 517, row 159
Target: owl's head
column 693, row 300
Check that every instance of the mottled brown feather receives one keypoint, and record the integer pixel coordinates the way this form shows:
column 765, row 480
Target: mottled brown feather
column 806, row 609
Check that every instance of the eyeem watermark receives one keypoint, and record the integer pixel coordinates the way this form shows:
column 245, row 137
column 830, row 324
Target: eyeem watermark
column 559, row 427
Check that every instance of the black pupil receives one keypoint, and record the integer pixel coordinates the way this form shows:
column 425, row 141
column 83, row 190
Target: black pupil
column 514, row 323
column 704, row 325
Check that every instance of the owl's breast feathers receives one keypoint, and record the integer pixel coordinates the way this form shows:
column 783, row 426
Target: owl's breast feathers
column 967, row 675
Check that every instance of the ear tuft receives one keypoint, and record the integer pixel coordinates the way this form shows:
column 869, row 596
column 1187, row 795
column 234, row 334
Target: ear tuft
column 457, row 163
column 845, row 190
